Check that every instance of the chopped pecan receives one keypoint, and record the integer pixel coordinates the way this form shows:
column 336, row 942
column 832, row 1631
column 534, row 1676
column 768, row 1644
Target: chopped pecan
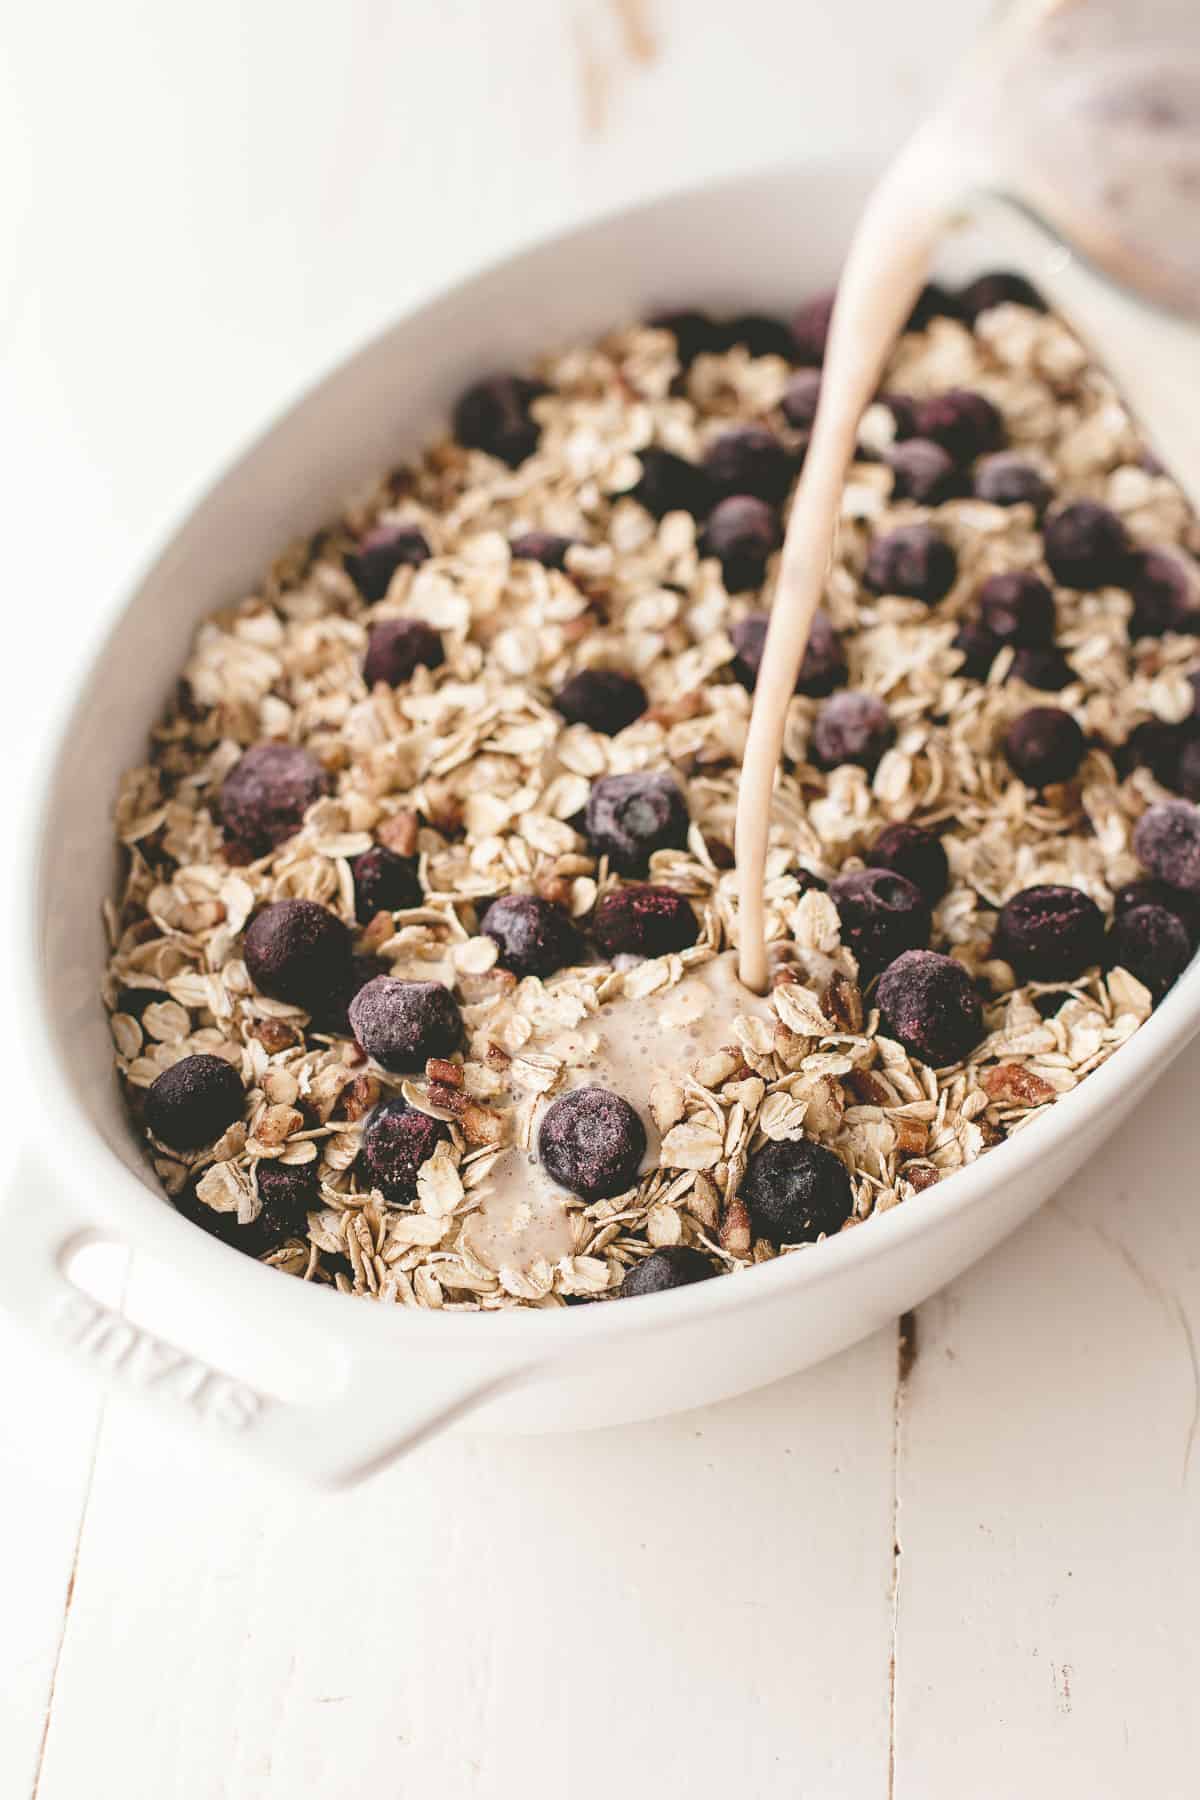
column 921, row 1176
column 842, row 1002
column 912, row 1135
column 447, row 1074
column 674, row 712
column 450, row 1099
column 868, row 1089
column 1011, row 1085
column 399, row 832
column 274, row 1035
column 735, row 1227
column 359, row 1096
column 555, row 889
column 479, row 1126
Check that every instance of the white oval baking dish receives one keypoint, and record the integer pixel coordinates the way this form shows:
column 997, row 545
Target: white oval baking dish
column 395, row 1374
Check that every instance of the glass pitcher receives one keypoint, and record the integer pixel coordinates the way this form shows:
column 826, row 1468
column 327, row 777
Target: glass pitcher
column 1078, row 126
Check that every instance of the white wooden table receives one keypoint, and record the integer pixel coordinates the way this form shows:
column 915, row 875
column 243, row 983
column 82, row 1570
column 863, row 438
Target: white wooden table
column 965, row 1571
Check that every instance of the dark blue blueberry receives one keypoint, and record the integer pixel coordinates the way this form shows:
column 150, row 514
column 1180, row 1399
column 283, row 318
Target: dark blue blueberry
column 403, row 1023
column 396, row 1141
column 1086, row 546
column 851, row 728
column 494, row 416
column 881, row 914
column 644, row 921
column 299, row 952
column 674, row 1267
column 194, row 1101
column 912, row 560
column 1050, row 933
column 796, row 1192
column 377, row 556
column 929, row 1004
column 534, row 936
column 266, row 794
column 1044, row 745
column 591, row 1142
column 603, row 699
column 384, row 882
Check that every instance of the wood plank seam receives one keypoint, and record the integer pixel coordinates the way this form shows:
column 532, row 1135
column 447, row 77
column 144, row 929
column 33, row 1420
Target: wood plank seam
column 906, row 1356
column 68, row 1597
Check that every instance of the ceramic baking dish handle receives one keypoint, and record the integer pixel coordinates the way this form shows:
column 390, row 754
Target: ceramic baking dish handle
column 382, row 1408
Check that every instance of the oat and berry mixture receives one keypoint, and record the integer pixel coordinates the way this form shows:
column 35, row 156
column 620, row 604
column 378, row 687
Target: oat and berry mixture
column 420, row 978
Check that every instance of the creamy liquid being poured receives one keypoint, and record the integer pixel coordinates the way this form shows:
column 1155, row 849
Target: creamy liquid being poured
column 1087, row 112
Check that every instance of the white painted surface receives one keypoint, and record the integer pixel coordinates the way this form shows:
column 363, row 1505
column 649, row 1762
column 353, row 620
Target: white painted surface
column 201, row 209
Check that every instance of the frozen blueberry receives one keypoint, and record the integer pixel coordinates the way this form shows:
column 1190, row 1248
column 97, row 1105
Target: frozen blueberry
column 676, row 1266
column 289, row 1192
column 1086, row 546
column 384, row 882
column 396, row 647
column 591, row 1142
column 1007, row 479
column 741, row 533
column 300, row 952
column 380, row 553
column 1016, row 608
column 903, row 409
column 403, row 1023
column 851, row 728
column 800, row 398
column 1167, row 843
column 796, row 1191
column 644, row 921
column 396, row 1140
column 810, row 328
column 749, row 459
column 1153, row 945
column 545, row 547
column 921, row 471
column 1002, row 287
column 1154, row 745
column 1163, row 594
column 881, row 914
column 917, row 854
column 1044, row 745
column 912, row 560
column 266, row 794
column 963, row 422
column 978, row 648
column 1050, row 933
column 669, row 483
column 1145, row 892
column 695, row 333
column 534, row 936
column 929, row 1004
column 1041, row 666
column 494, row 416
column 193, row 1101
column 629, row 817
column 761, row 335
column 604, row 699
column 933, row 302
column 824, row 664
